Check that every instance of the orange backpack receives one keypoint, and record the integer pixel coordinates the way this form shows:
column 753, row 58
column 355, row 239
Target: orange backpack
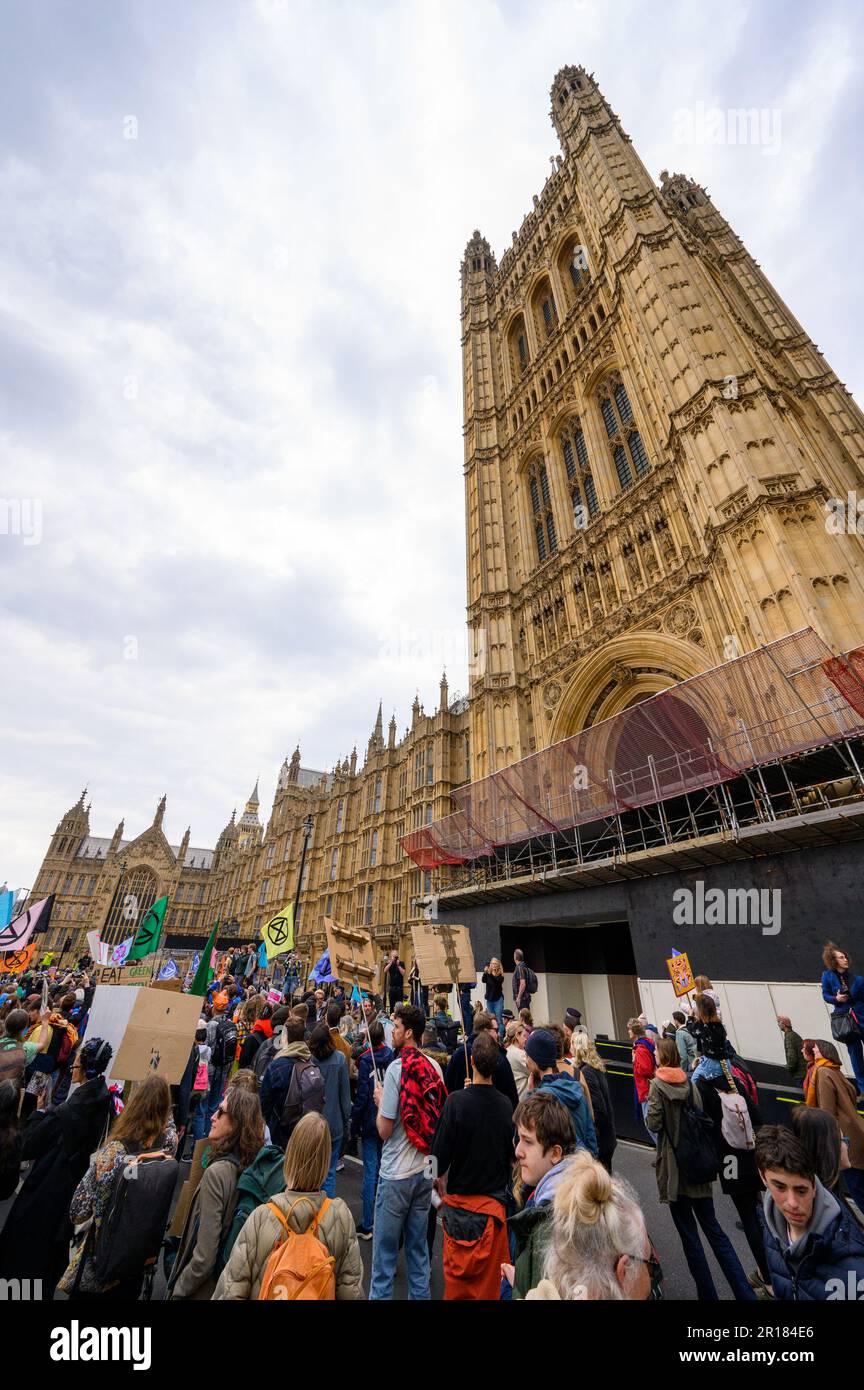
column 300, row 1266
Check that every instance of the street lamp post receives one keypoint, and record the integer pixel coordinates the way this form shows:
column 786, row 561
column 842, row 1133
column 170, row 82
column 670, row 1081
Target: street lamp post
column 308, row 827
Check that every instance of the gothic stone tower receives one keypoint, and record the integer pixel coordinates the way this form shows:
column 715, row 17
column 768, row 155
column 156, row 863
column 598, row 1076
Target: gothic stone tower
column 651, row 442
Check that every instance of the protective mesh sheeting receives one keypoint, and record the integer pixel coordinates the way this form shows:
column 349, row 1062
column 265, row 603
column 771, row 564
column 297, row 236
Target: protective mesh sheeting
column 779, row 700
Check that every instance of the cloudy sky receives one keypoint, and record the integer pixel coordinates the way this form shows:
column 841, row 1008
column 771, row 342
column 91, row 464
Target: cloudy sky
column 230, row 373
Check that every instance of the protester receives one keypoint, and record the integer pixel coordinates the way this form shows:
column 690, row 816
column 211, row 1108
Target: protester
column 363, row 1122
column 10, row 1138
column 222, row 1041
column 792, row 1043
column 685, row 1040
column 236, row 1137
column 472, row 1146
column 844, row 992
column 493, row 983
column 712, row 1043
column 814, row 1245
column 524, row 982
column 735, row 1120
column 591, row 1071
column 687, row 1192
column 457, row 1072
column 644, row 1066
column 34, row 1242
column 820, row 1135
column 17, row 1051
column 333, row 1018
column 564, row 1062
column 832, row 1092
column 545, row 1136
column 541, row 1051
column 598, row 1246
column 409, row 1105
column 395, row 973
column 145, row 1126
column 277, row 1078
column 303, row 1208
column 337, row 1094
column 514, row 1042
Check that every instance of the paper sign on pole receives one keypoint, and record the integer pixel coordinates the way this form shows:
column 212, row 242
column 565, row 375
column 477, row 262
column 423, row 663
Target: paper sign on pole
column 93, row 943
column 159, row 1035
column 352, row 955
column 443, row 951
column 680, row 974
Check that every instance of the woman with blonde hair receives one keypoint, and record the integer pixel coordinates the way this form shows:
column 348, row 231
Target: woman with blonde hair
column 514, row 1042
column 591, row 1070
column 301, row 1205
column 598, row 1246
column 493, row 983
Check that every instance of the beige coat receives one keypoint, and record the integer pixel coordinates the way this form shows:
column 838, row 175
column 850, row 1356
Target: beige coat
column 210, row 1214
column 836, row 1095
column 241, row 1277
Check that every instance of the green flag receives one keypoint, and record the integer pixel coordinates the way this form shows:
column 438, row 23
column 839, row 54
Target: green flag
column 203, row 973
column 148, row 934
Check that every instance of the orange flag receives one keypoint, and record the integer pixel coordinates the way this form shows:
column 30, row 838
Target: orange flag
column 16, row 962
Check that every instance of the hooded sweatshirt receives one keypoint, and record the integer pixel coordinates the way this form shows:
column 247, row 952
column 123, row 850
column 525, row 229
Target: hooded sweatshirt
column 569, row 1091
column 274, row 1087
column 832, row 1248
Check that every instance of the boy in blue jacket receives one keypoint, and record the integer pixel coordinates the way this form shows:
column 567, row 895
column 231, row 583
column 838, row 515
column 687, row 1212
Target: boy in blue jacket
column 363, row 1121
column 541, row 1050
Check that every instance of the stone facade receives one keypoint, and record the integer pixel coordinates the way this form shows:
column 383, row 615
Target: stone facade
column 650, row 439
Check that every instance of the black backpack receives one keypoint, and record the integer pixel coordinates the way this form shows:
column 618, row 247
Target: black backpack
column 130, row 1235
column 695, row 1153
column 265, row 1054
column 305, row 1096
column 224, row 1043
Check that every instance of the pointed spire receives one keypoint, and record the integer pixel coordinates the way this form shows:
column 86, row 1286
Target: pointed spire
column 253, row 800
column 294, row 768
column 116, row 838
column 391, row 732
column 353, row 763
column 160, row 813
column 444, row 692
column 415, row 709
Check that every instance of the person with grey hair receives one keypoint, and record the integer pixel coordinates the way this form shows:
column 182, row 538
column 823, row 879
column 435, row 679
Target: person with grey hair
column 598, row 1246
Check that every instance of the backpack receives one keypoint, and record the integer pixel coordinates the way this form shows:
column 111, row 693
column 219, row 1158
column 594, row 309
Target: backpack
column 263, row 1179
column 421, row 1099
column 265, row 1054
column 300, row 1266
column 130, row 1235
column 13, row 1060
column 695, row 1153
column 735, row 1123
column 69, row 1040
column 201, row 1082
column 224, row 1043
column 532, row 984
column 305, row 1096
column 747, row 1081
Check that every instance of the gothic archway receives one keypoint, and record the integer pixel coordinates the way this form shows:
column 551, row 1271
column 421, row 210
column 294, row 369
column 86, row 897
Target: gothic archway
column 135, row 893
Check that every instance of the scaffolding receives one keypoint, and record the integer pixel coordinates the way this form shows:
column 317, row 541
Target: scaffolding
column 787, row 699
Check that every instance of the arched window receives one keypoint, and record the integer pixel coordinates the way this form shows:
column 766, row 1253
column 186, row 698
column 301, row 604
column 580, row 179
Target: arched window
column 135, row 894
column 583, row 493
column 545, row 312
column 519, row 354
column 542, row 518
column 573, row 266
column 628, row 451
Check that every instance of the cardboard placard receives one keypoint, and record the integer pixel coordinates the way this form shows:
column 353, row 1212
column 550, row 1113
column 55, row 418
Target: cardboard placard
column 138, row 973
column 443, row 951
column 176, row 984
column 159, row 1036
column 187, row 1191
column 352, row 955
column 680, row 974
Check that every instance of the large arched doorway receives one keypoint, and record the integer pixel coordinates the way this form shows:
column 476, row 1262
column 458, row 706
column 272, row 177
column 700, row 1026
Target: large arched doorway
column 661, row 747
column 134, row 895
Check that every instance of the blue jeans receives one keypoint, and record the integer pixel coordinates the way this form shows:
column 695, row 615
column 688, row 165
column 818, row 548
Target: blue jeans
column 643, row 1106
column 200, row 1126
column 856, row 1057
column 685, row 1213
column 496, row 1007
column 401, row 1207
column 217, row 1086
column 329, row 1183
column 371, row 1164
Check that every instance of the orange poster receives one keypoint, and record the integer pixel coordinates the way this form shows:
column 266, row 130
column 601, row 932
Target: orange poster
column 680, row 974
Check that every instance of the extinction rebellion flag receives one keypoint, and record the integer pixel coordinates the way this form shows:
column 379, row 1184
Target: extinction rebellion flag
column 15, row 935
column 148, row 933
column 278, row 933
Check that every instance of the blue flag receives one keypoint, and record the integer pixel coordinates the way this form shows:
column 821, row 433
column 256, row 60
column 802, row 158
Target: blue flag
column 262, row 957
column 321, row 972
column 169, row 971
column 7, row 905
column 356, row 996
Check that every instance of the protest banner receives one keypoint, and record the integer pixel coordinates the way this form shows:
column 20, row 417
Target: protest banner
column 158, row 1037
column 175, row 984
column 680, row 973
column 443, row 952
column 136, row 974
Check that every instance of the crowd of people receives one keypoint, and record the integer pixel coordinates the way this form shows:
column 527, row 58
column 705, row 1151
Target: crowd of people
column 497, row 1130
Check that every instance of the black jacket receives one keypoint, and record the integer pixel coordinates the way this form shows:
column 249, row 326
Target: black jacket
column 502, row 1080
column 604, row 1114
column 34, row 1243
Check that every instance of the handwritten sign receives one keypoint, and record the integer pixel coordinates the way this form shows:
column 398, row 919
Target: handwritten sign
column 443, row 952
column 136, row 974
column 680, row 974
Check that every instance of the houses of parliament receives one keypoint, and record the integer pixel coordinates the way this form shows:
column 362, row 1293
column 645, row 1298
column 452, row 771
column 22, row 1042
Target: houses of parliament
column 651, row 444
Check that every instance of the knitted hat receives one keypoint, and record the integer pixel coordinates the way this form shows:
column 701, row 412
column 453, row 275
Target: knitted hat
column 541, row 1048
